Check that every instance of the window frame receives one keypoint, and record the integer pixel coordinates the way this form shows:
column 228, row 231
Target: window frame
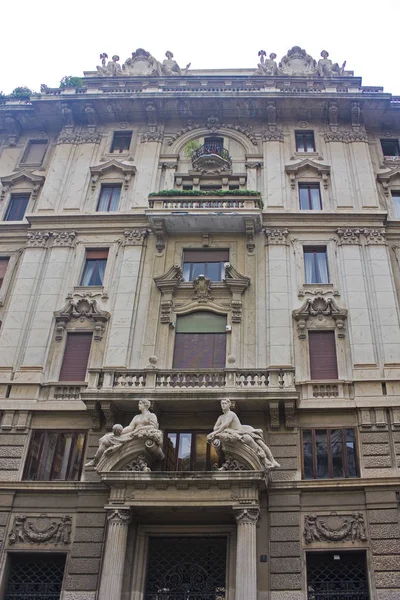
column 61, row 364
column 396, row 205
column 206, row 263
column 324, row 331
column 329, row 453
column 310, row 186
column 121, row 134
column 113, row 187
column 303, row 134
column 193, row 453
column 177, row 350
column 33, row 142
column 393, row 141
column 15, row 196
column 75, row 436
column 307, row 249
column 85, row 264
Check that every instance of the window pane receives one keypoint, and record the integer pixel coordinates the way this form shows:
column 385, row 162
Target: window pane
column 213, row 271
column 390, row 147
column 184, row 451
column 351, row 453
column 322, row 453
column 198, row 269
column 109, row 198
column 17, row 207
column 93, row 273
column 201, row 322
column 396, row 203
column 304, row 198
column 61, row 456
column 307, row 454
column 170, row 452
column 121, row 142
column 200, row 458
column 316, row 265
column 315, row 198
column 35, row 152
column 337, row 453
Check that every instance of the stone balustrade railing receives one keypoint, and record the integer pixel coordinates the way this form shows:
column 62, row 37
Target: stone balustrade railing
column 148, row 379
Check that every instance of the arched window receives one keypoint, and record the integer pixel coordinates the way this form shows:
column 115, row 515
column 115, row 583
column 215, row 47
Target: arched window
column 200, row 341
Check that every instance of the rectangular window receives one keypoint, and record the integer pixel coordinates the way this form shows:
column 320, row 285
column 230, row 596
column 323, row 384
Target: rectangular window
column 3, row 269
column 204, row 262
column 396, row 203
column 55, row 455
column 17, row 207
column 109, row 198
column 95, row 266
column 316, row 264
column 340, row 574
column 329, row 453
column 200, row 341
column 310, row 196
column 35, row 152
column 390, row 147
column 76, row 356
column 323, row 361
column 121, row 142
column 211, row 187
column 189, row 451
column 37, row 576
column 305, row 141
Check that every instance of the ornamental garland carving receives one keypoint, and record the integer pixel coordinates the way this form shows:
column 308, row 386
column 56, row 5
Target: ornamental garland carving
column 41, row 530
column 245, row 516
column 353, row 236
column 88, row 137
column 349, row 236
column 334, row 528
column 272, row 136
column 375, row 236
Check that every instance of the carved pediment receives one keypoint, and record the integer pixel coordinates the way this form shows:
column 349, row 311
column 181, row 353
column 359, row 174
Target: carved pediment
column 386, row 178
column 83, row 308
column 235, row 281
column 127, row 170
column 15, row 178
column 320, row 308
column 131, row 456
column 242, row 454
column 169, row 281
column 296, row 170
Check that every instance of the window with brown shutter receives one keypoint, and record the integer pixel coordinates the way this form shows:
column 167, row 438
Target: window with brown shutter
column 95, row 266
column 200, row 341
column 35, row 152
column 3, row 269
column 204, row 262
column 323, row 362
column 76, row 355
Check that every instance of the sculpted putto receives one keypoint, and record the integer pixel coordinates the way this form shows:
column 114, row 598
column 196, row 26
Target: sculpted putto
column 143, row 425
column 229, row 428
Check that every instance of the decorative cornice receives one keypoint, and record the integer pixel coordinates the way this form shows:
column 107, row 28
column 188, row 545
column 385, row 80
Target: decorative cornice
column 272, row 136
column 135, row 237
column 63, row 239
column 334, row 528
column 375, row 236
column 295, row 169
column 87, row 137
column 345, row 136
column 38, row 239
column 275, row 236
column 41, row 530
column 349, row 236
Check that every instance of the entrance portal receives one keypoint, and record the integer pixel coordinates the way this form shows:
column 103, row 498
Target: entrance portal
column 186, row 568
column 337, row 576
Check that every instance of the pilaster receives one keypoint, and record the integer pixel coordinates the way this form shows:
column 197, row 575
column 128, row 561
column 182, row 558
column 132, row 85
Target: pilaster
column 114, row 555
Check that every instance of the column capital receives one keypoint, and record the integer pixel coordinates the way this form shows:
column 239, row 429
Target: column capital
column 249, row 515
column 275, row 236
column 119, row 516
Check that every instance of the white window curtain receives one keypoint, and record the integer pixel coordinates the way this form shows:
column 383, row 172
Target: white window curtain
column 94, row 272
column 321, row 267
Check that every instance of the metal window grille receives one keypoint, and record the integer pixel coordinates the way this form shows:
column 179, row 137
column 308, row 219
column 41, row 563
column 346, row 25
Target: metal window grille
column 343, row 578
column 191, row 568
column 35, row 578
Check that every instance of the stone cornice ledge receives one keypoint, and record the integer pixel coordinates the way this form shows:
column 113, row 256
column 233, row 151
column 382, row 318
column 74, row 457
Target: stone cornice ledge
column 335, row 484
column 190, row 477
column 52, row 486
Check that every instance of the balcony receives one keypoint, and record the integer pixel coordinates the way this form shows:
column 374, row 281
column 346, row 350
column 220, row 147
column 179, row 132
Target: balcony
column 211, row 157
column 197, row 211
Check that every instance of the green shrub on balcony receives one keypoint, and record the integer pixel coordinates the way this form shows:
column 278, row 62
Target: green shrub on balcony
column 167, row 193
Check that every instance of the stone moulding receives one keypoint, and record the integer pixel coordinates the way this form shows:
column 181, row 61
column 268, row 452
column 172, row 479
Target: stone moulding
column 345, row 136
column 34, row 182
column 294, row 171
column 242, row 453
column 386, row 178
column 82, row 308
column 214, row 125
column 334, row 528
column 132, row 453
column 40, row 530
column 320, row 308
column 126, row 170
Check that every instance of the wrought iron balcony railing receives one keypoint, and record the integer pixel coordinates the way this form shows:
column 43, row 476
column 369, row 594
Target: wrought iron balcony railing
column 211, row 155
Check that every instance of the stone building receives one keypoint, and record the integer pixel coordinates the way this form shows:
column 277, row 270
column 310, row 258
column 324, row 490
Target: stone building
column 183, row 238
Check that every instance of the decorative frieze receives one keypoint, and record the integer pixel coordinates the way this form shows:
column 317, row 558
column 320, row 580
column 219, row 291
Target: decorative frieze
column 272, row 136
column 346, row 136
column 375, row 236
column 152, row 136
column 318, row 292
column 86, row 137
column 63, row 239
column 135, row 237
column 139, row 464
column 334, row 528
column 275, row 236
column 41, row 530
column 349, row 236
column 232, row 464
column 38, row 239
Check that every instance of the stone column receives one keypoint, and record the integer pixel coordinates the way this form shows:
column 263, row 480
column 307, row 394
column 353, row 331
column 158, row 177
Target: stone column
column 246, row 553
column 114, row 554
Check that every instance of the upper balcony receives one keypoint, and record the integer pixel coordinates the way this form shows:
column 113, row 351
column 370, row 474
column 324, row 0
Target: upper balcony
column 211, row 156
column 197, row 211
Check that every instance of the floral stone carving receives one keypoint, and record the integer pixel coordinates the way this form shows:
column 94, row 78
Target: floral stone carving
column 142, row 427
column 334, row 528
column 320, row 308
column 82, row 308
column 41, row 530
column 229, row 430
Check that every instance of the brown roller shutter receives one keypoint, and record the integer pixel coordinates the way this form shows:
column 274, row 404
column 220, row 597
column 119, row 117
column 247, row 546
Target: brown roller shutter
column 196, row 256
column 76, row 357
column 97, row 253
column 199, row 351
column 323, row 362
column 35, row 152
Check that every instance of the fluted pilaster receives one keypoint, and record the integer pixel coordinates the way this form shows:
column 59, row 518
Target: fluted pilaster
column 114, row 555
column 246, row 558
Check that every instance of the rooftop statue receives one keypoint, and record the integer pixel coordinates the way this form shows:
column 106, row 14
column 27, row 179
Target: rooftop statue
column 228, row 428
column 143, row 425
column 297, row 62
column 113, row 69
column 326, row 68
column 142, row 63
column 267, row 66
column 171, row 67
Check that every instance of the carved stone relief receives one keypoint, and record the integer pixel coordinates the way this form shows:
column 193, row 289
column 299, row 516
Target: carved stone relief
column 41, row 530
column 345, row 136
column 213, row 124
column 127, row 171
column 63, row 239
column 232, row 464
column 82, row 307
column 275, row 236
column 298, row 63
column 320, row 308
column 294, row 171
column 39, row 239
column 334, row 528
column 135, row 237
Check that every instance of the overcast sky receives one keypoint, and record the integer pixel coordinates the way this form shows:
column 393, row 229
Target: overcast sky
column 44, row 40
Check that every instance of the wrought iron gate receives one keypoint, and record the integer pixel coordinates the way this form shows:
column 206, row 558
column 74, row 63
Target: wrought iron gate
column 186, row 568
column 343, row 578
column 35, row 577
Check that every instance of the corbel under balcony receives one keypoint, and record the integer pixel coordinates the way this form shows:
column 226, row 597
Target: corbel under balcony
column 205, row 212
